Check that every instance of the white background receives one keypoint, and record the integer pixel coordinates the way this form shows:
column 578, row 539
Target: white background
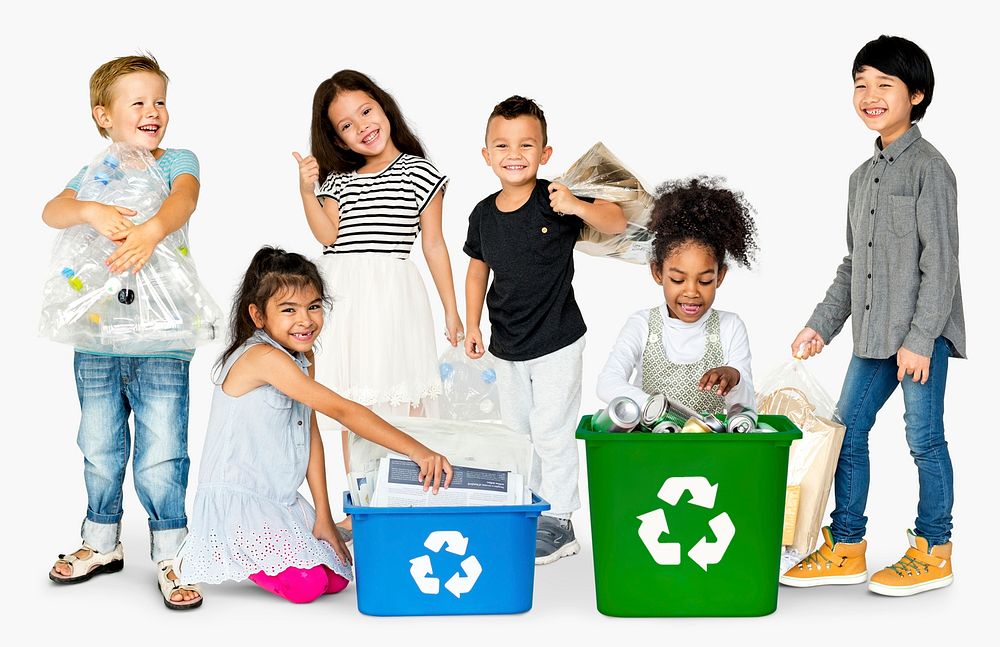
column 759, row 93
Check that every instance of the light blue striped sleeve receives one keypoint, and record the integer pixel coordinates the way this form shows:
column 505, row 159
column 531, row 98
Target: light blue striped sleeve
column 74, row 184
column 181, row 161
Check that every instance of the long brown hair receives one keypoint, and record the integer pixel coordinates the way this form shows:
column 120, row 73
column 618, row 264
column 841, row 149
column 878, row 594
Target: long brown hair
column 271, row 270
column 327, row 148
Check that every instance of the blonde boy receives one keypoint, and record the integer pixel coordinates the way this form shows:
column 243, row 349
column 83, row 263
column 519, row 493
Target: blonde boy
column 128, row 104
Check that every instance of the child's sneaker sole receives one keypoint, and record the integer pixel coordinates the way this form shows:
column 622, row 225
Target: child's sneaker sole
column 572, row 548
column 803, row 583
column 904, row 591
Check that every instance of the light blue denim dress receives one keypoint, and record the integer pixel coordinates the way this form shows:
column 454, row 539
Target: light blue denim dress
column 248, row 514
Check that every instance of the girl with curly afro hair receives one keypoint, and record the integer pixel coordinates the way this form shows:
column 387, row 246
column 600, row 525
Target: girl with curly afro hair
column 683, row 347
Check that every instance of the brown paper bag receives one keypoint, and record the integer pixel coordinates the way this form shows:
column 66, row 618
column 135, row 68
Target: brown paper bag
column 812, row 461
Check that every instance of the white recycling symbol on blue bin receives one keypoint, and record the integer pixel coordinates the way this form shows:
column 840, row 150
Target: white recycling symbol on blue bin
column 453, row 542
column 654, row 524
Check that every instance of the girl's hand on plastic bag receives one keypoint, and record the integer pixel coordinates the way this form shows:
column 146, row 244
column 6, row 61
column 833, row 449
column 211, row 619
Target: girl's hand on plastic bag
column 911, row 363
column 108, row 219
column 807, row 343
column 137, row 246
column 432, row 465
column 308, row 172
column 327, row 531
column 721, row 380
column 474, row 344
column 455, row 332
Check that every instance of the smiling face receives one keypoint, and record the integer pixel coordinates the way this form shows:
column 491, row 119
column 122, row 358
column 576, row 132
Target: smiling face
column 137, row 113
column 362, row 126
column 514, row 149
column 690, row 277
column 293, row 317
column 884, row 103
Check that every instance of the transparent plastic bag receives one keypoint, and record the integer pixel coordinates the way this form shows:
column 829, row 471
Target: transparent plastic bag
column 792, row 391
column 469, row 386
column 162, row 307
column 599, row 174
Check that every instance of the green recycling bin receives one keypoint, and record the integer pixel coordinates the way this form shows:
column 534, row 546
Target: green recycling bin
column 687, row 524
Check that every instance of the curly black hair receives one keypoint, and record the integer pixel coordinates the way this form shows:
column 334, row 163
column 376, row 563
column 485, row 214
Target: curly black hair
column 703, row 211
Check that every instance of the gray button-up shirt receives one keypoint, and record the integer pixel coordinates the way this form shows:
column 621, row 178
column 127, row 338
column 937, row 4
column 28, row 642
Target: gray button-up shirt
column 900, row 279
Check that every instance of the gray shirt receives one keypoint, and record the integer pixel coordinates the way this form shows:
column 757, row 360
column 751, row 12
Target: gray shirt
column 900, row 278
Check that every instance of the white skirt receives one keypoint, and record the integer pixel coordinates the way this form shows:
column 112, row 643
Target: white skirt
column 378, row 345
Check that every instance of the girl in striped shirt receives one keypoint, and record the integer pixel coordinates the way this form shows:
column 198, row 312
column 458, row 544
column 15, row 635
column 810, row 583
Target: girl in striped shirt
column 377, row 193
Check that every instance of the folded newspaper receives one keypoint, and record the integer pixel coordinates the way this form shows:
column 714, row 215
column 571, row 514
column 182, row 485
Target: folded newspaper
column 397, row 484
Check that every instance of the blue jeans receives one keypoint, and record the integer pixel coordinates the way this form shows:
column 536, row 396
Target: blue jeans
column 155, row 389
column 867, row 386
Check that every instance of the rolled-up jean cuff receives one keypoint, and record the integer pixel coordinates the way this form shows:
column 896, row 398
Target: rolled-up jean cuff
column 165, row 543
column 102, row 537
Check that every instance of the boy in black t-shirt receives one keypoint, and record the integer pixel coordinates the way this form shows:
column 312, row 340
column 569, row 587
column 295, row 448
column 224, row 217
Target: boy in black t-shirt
column 525, row 234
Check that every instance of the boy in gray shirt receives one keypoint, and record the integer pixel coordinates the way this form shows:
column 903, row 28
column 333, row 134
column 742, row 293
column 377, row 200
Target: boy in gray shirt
column 900, row 284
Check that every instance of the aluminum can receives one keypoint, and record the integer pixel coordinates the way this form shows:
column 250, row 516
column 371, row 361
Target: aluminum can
column 653, row 410
column 695, row 425
column 741, row 420
column 666, row 427
column 620, row 416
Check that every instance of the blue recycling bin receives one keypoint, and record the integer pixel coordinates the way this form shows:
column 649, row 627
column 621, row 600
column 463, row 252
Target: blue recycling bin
column 444, row 560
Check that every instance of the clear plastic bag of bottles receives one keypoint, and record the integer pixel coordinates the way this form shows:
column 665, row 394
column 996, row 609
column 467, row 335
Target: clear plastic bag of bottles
column 599, row 174
column 469, row 386
column 162, row 307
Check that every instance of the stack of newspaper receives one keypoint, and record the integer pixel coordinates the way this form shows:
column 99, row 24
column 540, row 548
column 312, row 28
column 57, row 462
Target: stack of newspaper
column 397, row 483
column 492, row 463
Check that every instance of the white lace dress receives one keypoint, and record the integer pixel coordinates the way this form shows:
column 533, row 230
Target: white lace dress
column 378, row 345
column 248, row 515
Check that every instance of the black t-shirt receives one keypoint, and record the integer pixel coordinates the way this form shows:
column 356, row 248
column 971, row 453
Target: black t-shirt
column 530, row 250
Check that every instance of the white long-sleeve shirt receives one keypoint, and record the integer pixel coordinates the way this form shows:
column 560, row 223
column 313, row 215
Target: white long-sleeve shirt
column 683, row 343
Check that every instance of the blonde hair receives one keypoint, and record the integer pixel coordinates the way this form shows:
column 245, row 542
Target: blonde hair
column 106, row 75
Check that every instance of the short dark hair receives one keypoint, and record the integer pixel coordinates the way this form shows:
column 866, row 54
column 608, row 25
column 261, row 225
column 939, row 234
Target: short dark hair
column 904, row 59
column 517, row 106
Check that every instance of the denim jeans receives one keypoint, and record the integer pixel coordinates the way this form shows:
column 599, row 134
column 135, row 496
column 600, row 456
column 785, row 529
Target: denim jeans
column 155, row 389
column 867, row 386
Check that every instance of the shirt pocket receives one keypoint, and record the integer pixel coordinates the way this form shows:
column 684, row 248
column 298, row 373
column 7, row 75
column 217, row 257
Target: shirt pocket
column 903, row 214
column 545, row 241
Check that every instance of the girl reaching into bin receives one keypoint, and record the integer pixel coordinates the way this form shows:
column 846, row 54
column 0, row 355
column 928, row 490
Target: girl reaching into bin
column 249, row 520
column 683, row 347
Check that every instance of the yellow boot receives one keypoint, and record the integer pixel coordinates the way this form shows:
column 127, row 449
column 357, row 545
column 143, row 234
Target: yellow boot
column 831, row 563
column 917, row 571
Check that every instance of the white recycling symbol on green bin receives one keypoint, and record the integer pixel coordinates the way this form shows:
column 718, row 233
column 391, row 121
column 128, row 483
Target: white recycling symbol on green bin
column 453, row 542
column 654, row 524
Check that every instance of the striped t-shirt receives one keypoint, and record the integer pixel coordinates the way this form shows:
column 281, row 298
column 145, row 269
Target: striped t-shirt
column 173, row 163
column 380, row 212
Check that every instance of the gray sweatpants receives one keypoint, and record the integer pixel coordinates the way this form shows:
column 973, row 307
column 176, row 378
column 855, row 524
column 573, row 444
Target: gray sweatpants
column 541, row 397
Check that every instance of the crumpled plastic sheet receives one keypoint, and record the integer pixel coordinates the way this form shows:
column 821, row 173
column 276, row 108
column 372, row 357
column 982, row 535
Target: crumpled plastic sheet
column 162, row 307
column 599, row 174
